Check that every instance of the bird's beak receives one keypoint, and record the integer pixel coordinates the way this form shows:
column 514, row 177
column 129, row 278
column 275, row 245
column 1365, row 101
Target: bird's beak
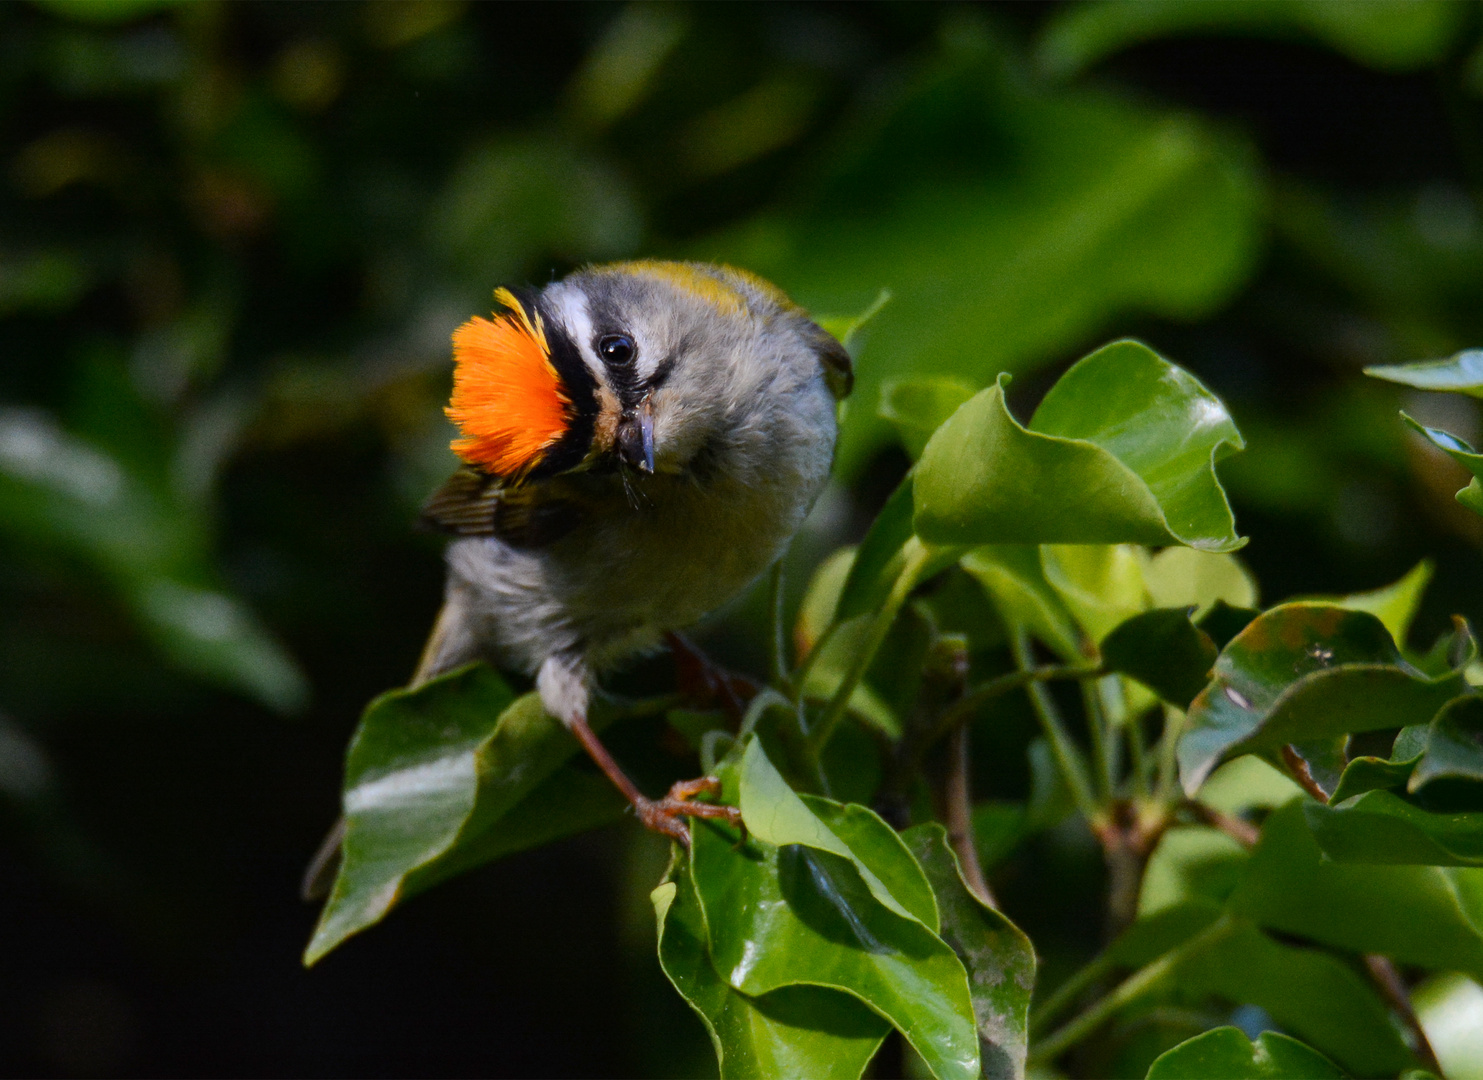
column 636, row 437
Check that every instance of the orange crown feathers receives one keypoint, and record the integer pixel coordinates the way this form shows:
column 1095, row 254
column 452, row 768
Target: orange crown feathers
column 508, row 401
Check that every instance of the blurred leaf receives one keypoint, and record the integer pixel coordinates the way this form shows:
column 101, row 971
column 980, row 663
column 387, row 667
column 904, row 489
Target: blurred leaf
column 1461, row 374
column 1450, row 1008
column 1395, row 605
column 1247, row 783
column 1100, row 584
column 1414, row 914
column 445, row 776
column 1227, row 1054
column 804, row 914
column 821, row 599
column 1378, row 826
column 793, row 1031
column 1223, row 622
column 1460, row 452
column 843, row 328
column 1307, row 991
column 831, row 667
column 1303, row 672
column 1181, row 576
column 1163, row 650
column 105, row 12
column 1009, row 225
column 60, row 492
column 1013, row 576
column 1121, row 450
column 917, row 407
column 999, row 957
column 1161, row 929
column 998, row 828
column 620, row 69
column 1392, row 35
column 880, row 557
column 1191, row 863
column 46, row 281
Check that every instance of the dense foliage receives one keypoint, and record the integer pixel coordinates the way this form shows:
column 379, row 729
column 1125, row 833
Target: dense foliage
column 1018, row 679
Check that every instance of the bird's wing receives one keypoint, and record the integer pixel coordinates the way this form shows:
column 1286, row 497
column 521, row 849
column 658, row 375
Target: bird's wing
column 532, row 514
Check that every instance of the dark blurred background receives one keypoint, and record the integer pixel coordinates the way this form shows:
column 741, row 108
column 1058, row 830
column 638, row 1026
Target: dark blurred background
column 235, row 238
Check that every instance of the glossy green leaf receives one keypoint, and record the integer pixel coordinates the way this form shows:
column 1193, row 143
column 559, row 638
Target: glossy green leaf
column 1460, row 452
column 1303, row 672
column 803, row 914
column 776, row 814
column 793, row 1031
column 1100, row 584
column 998, row 957
column 1181, row 576
column 1014, row 238
column 1415, row 914
column 1013, row 577
column 1309, row 992
column 1462, row 373
column 1227, row 1054
column 1392, row 35
column 443, row 777
column 1378, row 826
column 1121, row 450
column 1394, row 605
column 1164, row 651
column 1454, row 746
column 917, row 407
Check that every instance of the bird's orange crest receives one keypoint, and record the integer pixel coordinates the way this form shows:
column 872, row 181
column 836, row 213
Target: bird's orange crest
column 508, row 401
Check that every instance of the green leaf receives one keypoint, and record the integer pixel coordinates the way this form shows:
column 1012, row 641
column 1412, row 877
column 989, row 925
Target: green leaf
column 1454, row 745
column 1450, row 1008
column 1191, row 863
column 999, row 958
column 1164, row 651
column 844, row 327
column 880, row 558
column 1394, row 605
column 1460, row 452
column 1378, row 826
column 821, row 599
column 1122, row 450
column 1462, row 373
column 1392, row 35
column 1304, row 672
column 820, row 911
column 1223, row 622
column 1309, row 992
column 1227, row 1054
column 1181, row 576
column 918, row 407
column 443, row 777
column 1013, row 577
column 776, row 814
column 793, row 1031
column 1100, row 584
column 1367, row 773
column 1419, row 915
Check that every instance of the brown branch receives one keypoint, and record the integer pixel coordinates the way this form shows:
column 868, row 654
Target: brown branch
column 1243, row 832
column 1390, row 983
column 958, row 817
column 1302, row 774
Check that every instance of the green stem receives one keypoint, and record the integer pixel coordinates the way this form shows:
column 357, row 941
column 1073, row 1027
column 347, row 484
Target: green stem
column 915, row 558
column 779, row 649
column 1129, row 990
column 1137, row 758
column 1167, row 790
column 1100, row 739
column 963, row 709
column 1067, row 757
column 1093, row 972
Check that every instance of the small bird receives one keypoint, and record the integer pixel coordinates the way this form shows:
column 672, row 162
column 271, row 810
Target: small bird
column 640, row 441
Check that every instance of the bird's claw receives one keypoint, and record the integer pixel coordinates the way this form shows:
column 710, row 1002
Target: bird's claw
column 667, row 815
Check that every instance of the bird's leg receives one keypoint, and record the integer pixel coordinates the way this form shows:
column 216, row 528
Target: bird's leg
column 704, row 682
column 562, row 683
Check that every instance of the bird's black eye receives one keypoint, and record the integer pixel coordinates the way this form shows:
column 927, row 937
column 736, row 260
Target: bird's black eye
column 616, row 348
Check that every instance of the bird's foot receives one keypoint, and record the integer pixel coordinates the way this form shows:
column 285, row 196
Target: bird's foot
column 705, row 683
column 667, row 815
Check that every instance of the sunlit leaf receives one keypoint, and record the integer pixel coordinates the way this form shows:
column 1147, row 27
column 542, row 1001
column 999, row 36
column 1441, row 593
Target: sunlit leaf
column 821, row 599
column 1304, row 672
column 1392, row 35
column 998, row 956
column 1181, row 576
column 1462, row 373
column 1227, row 1054
column 1013, row 577
column 1100, row 584
column 1192, row 863
column 1460, row 452
column 1121, row 450
column 793, row 1031
column 917, row 407
column 1450, row 1008
column 443, row 777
